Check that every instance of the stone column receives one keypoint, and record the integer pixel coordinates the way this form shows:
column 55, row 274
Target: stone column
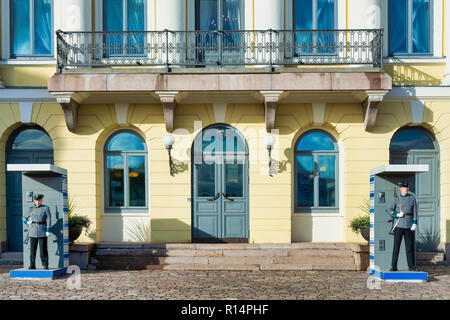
column 76, row 15
column 446, row 80
column 267, row 14
column 171, row 15
column 364, row 14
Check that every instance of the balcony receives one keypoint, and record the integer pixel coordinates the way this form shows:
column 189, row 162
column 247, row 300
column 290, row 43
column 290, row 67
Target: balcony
column 219, row 49
column 191, row 67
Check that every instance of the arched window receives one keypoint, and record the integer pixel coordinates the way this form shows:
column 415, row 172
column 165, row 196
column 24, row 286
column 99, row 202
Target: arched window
column 411, row 138
column 316, row 168
column 125, row 172
column 31, row 139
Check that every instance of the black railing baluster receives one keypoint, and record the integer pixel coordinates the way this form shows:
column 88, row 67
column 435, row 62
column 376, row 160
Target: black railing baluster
column 228, row 48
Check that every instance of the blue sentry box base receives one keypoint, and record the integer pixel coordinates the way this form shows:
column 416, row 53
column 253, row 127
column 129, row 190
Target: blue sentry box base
column 400, row 276
column 37, row 273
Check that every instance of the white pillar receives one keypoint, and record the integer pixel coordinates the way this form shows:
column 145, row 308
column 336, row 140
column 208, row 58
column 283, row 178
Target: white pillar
column 76, row 15
column 171, row 15
column 446, row 80
column 364, row 14
column 267, row 14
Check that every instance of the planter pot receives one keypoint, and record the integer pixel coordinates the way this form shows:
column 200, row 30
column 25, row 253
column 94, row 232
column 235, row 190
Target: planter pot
column 365, row 232
column 74, row 233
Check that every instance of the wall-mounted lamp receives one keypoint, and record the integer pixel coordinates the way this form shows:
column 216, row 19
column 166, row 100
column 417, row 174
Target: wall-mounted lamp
column 168, row 142
column 269, row 141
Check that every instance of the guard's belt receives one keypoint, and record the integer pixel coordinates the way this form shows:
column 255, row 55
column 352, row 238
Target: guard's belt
column 38, row 222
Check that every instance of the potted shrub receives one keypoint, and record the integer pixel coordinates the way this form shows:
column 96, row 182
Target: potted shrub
column 76, row 222
column 361, row 224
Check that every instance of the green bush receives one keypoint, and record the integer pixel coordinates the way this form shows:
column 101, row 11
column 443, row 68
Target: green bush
column 362, row 221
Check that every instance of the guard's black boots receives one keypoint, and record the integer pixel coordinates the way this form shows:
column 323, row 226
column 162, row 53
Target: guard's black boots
column 31, row 268
column 393, row 269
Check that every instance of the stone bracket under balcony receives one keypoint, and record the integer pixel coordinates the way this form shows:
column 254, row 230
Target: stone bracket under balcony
column 73, row 89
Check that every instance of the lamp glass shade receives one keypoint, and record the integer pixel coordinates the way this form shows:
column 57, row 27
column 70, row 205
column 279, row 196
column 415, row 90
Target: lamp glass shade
column 168, row 140
column 269, row 140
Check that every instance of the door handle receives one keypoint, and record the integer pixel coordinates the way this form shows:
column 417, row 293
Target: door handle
column 214, row 198
column 225, row 195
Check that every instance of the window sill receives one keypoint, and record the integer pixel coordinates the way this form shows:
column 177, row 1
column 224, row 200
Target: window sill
column 414, row 59
column 126, row 212
column 27, row 62
column 317, row 211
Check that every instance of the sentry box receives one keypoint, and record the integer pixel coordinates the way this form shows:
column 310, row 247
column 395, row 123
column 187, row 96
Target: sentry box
column 383, row 188
column 50, row 181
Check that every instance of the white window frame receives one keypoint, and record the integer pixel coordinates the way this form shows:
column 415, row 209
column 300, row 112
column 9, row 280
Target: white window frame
column 435, row 33
column 149, row 12
column 6, row 34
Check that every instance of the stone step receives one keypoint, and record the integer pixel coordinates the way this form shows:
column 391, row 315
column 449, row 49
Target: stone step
column 430, row 256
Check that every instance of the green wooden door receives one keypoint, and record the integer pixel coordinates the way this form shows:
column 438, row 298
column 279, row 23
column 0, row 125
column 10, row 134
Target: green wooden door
column 220, row 190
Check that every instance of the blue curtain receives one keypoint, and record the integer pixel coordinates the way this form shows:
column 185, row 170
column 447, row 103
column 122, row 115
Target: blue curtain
column 20, row 27
column 43, row 26
column 231, row 14
column 303, row 21
column 113, row 21
column 325, row 14
column 421, row 26
column 136, row 22
column 208, row 14
column 398, row 26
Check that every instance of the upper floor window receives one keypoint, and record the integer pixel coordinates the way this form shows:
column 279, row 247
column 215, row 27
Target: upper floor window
column 125, row 172
column 316, row 167
column 124, row 15
column 314, row 14
column 31, row 27
column 410, row 26
column 219, row 14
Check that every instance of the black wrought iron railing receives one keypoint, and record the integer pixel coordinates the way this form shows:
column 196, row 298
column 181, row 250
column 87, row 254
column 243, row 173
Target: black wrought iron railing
column 219, row 48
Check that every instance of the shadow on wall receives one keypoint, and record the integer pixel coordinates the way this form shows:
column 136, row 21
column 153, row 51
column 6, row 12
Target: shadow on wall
column 407, row 75
column 170, row 231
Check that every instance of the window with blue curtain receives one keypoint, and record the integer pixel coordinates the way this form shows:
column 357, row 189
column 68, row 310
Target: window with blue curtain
column 314, row 15
column 125, row 172
column 410, row 26
column 226, row 15
column 31, row 26
column 316, row 166
column 126, row 21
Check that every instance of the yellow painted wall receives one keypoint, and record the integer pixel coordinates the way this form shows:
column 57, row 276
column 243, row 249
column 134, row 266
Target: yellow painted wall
column 26, row 76
column 415, row 74
column 271, row 198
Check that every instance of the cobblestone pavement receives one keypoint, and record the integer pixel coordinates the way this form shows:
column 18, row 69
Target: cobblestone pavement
column 240, row 285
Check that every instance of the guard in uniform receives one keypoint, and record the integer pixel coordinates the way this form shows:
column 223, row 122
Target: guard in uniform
column 39, row 222
column 404, row 210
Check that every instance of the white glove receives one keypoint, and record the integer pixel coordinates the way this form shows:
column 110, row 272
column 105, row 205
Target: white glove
column 400, row 214
column 47, row 234
column 29, row 222
column 413, row 227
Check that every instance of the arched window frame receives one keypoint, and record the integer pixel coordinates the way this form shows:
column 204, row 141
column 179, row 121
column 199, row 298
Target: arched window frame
column 18, row 131
column 316, row 153
column 126, row 208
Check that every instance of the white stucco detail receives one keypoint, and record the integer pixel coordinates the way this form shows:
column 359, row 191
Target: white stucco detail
column 417, row 108
column 364, row 14
column 121, row 112
column 77, row 15
column 26, row 109
column 318, row 109
column 220, row 111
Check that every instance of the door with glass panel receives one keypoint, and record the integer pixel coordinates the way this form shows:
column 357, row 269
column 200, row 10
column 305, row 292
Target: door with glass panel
column 124, row 25
column 220, row 186
column 215, row 44
column 417, row 146
column 27, row 145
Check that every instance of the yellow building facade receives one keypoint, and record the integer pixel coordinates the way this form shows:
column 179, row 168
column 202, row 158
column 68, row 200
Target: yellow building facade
column 360, row 109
